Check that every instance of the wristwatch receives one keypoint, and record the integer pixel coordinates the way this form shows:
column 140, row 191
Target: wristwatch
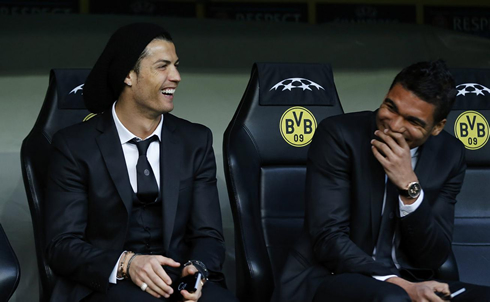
column 413, row 190
column 200, row 267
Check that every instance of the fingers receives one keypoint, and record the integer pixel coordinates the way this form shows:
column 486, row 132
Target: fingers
column 191, row 270
column 188, row 297
column 384, row 154
column 157, row 262
column 430, row 289
column 391, row 143
column 148, row 269
column 156, row 294
column 425, row 293
column 382, row 148
column 431, row 296
column 144, row 287
column 156, row 266
column 168, row 261
column 393, row 153
column 440, row 287
column 391, row 138
column 378, row 155
column 399, row 138
column 160, row 285
column 156, row 286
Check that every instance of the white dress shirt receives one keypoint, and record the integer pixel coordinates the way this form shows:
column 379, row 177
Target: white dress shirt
column 131, row 157
column 404, row 211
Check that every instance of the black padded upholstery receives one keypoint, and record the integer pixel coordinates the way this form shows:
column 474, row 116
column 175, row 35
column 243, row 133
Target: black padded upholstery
column 265, row 174
column 62, row 107
column 9, row 268
column 471, row 240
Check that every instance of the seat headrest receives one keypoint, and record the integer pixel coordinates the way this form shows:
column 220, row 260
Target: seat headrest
column 63, row 105
column 473, row 87
column 468, row 119
column 288, row 84
column 69, row 86
column 281, row 108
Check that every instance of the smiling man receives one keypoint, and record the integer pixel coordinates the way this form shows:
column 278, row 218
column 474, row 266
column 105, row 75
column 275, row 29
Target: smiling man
column 132, row 203
column 381, row 189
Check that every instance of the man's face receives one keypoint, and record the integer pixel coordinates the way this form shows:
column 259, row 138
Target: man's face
column 153, row 87
column 403, row 112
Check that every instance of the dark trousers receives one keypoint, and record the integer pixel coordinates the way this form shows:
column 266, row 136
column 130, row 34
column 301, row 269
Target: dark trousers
column 357, row 287
column 126, row 290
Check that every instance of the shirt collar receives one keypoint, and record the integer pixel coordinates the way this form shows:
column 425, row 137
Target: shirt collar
column 125, row 135
column 414, row 152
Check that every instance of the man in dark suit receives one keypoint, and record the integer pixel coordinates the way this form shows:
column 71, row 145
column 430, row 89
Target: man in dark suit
column 380, row 193
column 123, row 221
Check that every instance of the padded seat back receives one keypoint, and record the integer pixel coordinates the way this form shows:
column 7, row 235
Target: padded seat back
column 9, row 268
column 265, row 148
column 63, row 106
column 469, row 121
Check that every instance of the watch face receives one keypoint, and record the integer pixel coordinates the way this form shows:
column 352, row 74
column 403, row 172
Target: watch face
column 414, row 190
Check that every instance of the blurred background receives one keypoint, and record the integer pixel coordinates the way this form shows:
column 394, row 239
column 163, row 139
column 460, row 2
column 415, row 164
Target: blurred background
column 366, row 42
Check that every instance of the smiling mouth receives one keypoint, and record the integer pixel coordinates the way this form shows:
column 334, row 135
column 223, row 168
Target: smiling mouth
column 168, row 91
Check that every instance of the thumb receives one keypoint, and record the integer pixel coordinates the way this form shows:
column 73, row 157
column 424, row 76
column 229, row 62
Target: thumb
column 189, row 270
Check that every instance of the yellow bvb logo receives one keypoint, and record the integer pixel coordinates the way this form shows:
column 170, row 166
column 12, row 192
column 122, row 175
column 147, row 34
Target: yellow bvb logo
column 471, row 127
column 297, row 126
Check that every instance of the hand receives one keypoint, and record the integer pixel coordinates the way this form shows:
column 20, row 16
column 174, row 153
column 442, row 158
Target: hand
column 393, row 153
column 188, row 297
column 422, row 291
column 148, row 269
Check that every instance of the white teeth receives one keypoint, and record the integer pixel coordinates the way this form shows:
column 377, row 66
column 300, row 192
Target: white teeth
column 168, row 91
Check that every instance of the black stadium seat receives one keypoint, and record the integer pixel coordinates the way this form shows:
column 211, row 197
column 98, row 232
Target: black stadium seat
column 63, row 106
column 9, row 268
column 469, row 121
column 265, row 148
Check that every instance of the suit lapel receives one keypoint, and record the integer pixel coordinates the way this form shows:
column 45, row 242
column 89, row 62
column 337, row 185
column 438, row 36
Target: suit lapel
column 170, row 158
column 112, row 153
column 377, row 195
column 425, row 161
column 376, row 186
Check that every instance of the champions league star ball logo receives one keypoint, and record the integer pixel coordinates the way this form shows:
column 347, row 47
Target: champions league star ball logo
column 296, row 83
column 76, row 89
column 472, row 88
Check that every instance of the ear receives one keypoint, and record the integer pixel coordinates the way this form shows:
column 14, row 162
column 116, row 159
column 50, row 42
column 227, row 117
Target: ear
column 438, row 127
column 130, row 78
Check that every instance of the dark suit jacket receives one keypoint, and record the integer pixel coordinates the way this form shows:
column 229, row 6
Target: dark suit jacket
column 89, row 202
column 344, row 196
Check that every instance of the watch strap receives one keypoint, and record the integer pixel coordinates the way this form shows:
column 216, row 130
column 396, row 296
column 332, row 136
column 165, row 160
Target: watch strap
column 200, row 267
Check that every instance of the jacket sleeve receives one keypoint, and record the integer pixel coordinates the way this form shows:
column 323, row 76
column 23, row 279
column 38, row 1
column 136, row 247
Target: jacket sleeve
column 429, row 228
column 329, row 186
column 205, row 226
column 67, row 251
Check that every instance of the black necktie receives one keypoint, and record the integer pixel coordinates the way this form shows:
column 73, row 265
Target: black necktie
column 388, row 225
column 147, row 184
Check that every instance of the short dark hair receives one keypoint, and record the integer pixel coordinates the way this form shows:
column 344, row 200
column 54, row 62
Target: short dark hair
column 432, row 82
column 144, row 53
